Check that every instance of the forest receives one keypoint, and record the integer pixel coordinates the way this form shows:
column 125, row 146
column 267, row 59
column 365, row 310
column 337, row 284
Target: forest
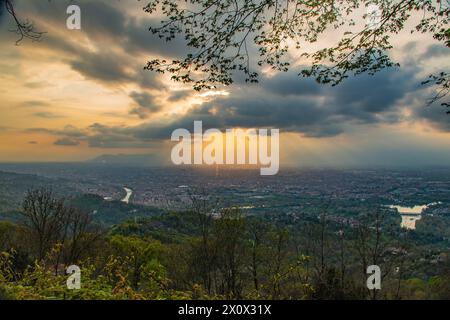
column 208, row 252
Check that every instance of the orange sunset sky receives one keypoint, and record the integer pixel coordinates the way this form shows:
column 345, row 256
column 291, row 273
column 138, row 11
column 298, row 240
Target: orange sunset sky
column 79, row 94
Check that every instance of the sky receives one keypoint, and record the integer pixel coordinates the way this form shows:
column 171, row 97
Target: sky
column 78, row 94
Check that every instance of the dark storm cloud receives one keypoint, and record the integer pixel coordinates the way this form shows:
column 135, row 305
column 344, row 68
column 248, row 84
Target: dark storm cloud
column 299, row 105
column 102, row 23
column 143, row 99
column 2, row 12
column 102, row 136
column 176, row 96
column 106, row 26
column 436, row 51
column 112, row 68
column 148, row 80
column 140, row 39
column 101, row 66
column 113, row 34
column 435, row 115
column 368, row 98
column 284, row 101
column 291, row 84
column 99, row 18
column 145, row 104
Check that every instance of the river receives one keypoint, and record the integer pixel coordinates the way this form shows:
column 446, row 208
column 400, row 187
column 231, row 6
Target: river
column 410, row 215
column 128, row 196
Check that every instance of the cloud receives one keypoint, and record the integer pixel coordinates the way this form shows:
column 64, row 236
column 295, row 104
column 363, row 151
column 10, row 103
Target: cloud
column 435, row 115
column 115, row 43
column 293, row 104
column 100, row 18
column 145, row 104
column 179, row 95
column 112, row 141
column 36, row 85
column 66, row 142
column 67, row 131
column 305, row 107
column 47, row 115
column 96, row 136
column 102, row 136
column 114, row 39
column 102, row 66
column 140, row 40
column 34, row 103
column 436, row 51
column 290, row 84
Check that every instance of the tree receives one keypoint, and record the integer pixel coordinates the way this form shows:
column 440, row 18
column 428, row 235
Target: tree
column 439, row 286
column 50, row 222
column 278, row 264
column 7, row 233
column 257, row 231
column 140, row 262
column 229, row 231
column 374, row 247
column 442, row 81
column 204, row 208
column 222, row 37
column 80, row 235
column 45, row 218
column 25, row 29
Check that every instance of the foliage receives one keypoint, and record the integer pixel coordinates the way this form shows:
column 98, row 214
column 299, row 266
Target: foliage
column 222, row 254
column 24, row 28
column 223, row 36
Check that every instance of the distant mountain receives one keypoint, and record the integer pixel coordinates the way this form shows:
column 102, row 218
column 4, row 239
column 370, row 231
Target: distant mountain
column 128, row 159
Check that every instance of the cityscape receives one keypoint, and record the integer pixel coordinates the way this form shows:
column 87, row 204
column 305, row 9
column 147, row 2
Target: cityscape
column 224, row 157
